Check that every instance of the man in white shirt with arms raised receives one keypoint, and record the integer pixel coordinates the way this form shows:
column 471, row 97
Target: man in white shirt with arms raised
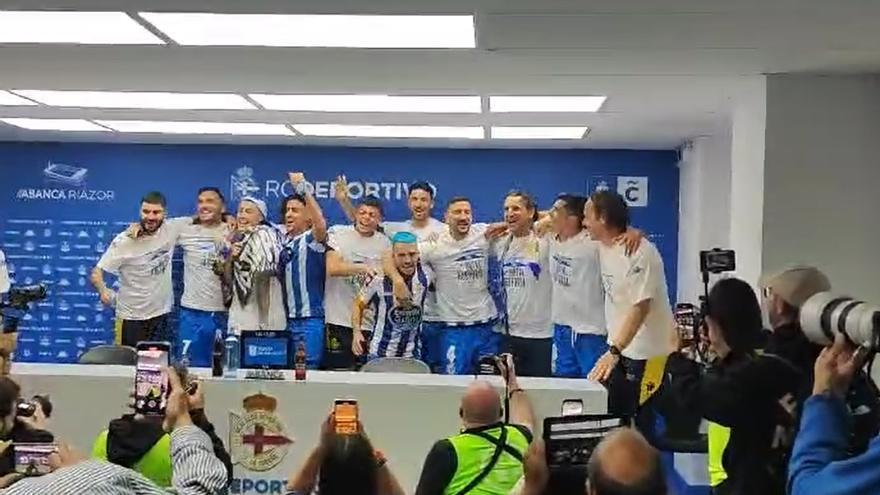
column 143, row 265
column 420, row 201
column 355, row 257
column 635, row 287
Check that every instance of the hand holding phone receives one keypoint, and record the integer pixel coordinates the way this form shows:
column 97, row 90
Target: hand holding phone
column 151, row 378
column 345, row 415
column 32, row 459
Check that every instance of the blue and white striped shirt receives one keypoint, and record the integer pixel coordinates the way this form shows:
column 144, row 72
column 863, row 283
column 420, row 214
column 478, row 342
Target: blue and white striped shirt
column 304, row 262
column 396, row 329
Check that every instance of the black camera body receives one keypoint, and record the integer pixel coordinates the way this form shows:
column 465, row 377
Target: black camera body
column 19, row 298
column 689, row 317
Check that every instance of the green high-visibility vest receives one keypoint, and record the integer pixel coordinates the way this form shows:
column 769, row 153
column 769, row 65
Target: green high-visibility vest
column 155, row 465
column 474, row 453
column 718, row 438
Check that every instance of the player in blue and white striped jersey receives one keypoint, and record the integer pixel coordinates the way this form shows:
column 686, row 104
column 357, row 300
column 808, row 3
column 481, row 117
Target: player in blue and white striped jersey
column 396, row 327
column 303, row 265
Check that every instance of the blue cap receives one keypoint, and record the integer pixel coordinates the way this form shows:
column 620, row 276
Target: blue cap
column 404, row 238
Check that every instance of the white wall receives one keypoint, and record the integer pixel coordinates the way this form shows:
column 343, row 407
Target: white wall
column 822, row 178
column 704, row 207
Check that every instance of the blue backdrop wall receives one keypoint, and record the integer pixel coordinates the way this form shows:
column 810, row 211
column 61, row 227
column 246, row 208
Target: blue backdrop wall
column 61, row 203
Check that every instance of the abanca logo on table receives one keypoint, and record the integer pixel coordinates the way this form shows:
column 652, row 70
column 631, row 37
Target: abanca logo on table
column 62, row 182
column 243, row 183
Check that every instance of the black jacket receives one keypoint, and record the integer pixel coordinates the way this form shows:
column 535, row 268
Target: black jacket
column 744, row 393
column 789, row 342
column 20, row 433
column 128, row 439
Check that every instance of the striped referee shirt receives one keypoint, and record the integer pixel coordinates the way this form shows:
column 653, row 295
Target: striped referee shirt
column 197, row 471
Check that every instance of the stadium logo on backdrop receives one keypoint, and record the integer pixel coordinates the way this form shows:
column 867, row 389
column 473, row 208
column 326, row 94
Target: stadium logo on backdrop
column 64, row 182
column 258, row 439
column 634, row 190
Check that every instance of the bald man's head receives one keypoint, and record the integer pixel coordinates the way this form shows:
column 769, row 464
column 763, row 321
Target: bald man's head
column 480, row 405
column 624, row 463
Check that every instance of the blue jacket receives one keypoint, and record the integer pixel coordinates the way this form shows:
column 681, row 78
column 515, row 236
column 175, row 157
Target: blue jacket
column 818, row 463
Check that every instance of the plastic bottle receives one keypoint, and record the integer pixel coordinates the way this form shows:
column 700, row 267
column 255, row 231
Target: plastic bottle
column 233, row 355
column 299, row 360
column 217, row 355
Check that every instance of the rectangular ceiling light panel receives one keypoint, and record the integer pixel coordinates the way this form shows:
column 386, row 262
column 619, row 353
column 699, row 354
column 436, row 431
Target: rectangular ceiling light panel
column 345, row 31
column 390, row 131
column 7, row 98
column 87, row 28
column 54, row 124
column 539, row 132
column 501, row 104
column 370, row 103
column 135, row 99
column 176, row 127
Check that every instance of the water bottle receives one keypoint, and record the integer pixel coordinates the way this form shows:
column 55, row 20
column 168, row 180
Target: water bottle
column 233, row 355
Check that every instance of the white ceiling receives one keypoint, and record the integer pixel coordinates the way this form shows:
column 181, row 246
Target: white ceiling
column 669, row 68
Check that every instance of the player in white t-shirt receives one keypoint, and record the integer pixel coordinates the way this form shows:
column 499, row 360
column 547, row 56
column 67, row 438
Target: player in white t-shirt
column 420, row 201
column 202, row 306
column 143, row 265
column 251, row 271
column 527, row 284
column 641, row 322
column 354, row 258
column 465, row 308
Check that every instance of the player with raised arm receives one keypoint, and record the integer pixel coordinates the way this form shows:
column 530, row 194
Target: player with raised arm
column 304, row 267
column 354, row 257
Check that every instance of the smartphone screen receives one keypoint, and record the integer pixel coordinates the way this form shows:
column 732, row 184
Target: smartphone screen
column 685, row 322
column 151, row 380
column 572, row 407
column 345, row 413
column 32, row 459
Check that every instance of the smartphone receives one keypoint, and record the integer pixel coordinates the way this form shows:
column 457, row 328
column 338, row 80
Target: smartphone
column 685, row 322
column 32, row 459
column 151, row 387
column 572, row 407
column 345, row 413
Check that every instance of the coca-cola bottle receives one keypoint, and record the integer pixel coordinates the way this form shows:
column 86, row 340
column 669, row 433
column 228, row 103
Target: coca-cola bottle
column 299, row 361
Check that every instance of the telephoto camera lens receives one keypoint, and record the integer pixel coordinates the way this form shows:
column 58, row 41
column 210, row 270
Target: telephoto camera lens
column 825, row 315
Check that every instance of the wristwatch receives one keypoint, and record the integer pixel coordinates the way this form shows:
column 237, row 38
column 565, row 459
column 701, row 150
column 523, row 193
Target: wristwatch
column 614, row 350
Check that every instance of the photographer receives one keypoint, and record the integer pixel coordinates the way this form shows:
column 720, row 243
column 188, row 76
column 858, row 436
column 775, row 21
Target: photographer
column 741, row 390
column 784, row 295
column 344, row 465
column 15, row 427
column 820, row 463
column 487, row 457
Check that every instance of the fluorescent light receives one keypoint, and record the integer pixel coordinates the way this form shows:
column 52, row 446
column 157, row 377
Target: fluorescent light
column 539, row 132
column 125, row 99
column 545, row 103
column 54, row 124
column 91, row 28
column 370, row 103
column 354, row 31
column 390, row 131
column 177, row 127
column 7, row 98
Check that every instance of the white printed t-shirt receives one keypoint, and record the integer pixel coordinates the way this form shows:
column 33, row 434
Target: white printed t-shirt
column 527, row 285
column 578, row 300
column 629, row 280
column 143, row 266
column 461, row 277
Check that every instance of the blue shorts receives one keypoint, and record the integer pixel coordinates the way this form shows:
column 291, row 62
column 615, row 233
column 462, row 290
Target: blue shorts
column 195, row 335
column 462, row 347
column 430, row 344
column 575, row 354
column 311, row 331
